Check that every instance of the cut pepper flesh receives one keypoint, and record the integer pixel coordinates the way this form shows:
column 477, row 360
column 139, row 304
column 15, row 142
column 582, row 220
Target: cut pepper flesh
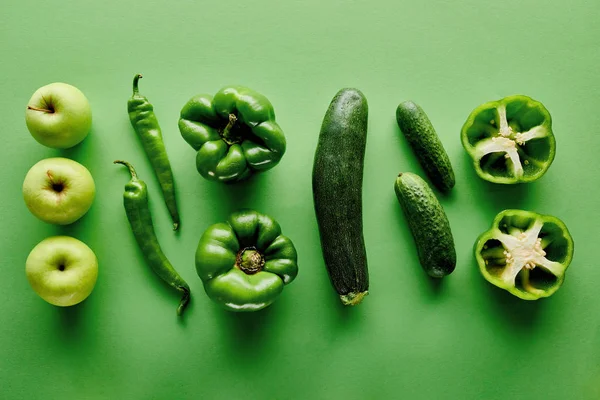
column 510, row 140
column 525, row 253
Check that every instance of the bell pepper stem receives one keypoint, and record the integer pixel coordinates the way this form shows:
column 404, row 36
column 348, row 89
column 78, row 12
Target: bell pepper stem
column 136, row 79
column 250, row 261
column 129, row 166
column 227, row 131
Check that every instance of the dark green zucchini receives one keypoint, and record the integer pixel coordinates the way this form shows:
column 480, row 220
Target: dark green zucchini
column 428, row 224
column 424, row 141
column 337, row 193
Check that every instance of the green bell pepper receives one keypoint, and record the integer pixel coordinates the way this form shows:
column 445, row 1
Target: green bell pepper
column 245, row 262
column 234, row 133
column 525, row 253
column 510, row 140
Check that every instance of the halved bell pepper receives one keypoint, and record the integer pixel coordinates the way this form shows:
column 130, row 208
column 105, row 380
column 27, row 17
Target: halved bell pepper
column 244, row 263
column 234, row 133
column 525, row 253
column 510, row 140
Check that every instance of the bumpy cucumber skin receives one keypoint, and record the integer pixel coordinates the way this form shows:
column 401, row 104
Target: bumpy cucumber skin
column 337, row 192
column 423, row 139
column 428, row 223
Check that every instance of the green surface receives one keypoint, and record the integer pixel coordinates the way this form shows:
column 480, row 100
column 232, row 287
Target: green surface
column 462, row 339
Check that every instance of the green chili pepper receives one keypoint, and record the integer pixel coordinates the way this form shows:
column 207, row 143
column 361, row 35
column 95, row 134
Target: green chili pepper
column 510, row 140
column 145, row 124
column 245, row 262
column 525, row 253
column 234, row 133
column 140, row 219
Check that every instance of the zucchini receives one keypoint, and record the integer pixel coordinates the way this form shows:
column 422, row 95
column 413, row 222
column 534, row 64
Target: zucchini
column 337, row 193
column 428, row 224
column 426, row 145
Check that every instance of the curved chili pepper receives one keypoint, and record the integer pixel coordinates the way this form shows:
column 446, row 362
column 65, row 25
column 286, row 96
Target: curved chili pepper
column 145, row 124
column 140, row 219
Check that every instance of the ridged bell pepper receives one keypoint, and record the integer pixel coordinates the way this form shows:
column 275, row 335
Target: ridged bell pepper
column 234, row 133
column 525, row 253
column 510, row 140
column 244, row 263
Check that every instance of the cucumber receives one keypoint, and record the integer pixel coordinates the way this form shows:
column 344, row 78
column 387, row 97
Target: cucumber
column 428, row 224
column 424, row 141
column 337, row 193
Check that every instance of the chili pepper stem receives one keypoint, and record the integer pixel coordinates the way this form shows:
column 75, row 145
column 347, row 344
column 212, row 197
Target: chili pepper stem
column 226, row 134
column 135, row 84
column 184, row 300
column 129, row 166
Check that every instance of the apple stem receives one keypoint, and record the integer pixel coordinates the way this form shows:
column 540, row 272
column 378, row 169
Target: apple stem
column 136, row 78
column 131, row 169
column 40, row 109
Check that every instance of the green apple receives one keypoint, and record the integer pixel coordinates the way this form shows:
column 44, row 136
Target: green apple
column 58, row 190
column 62, row 270
column 58, row 115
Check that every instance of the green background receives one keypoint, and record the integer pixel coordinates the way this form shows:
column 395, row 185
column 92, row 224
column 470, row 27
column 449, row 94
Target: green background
column 461, row 339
